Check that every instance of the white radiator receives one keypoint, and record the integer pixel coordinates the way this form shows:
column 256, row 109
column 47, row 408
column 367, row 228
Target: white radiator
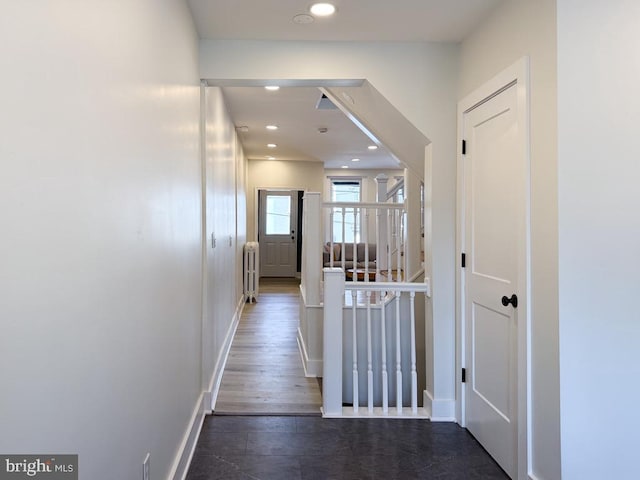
column 251, row 274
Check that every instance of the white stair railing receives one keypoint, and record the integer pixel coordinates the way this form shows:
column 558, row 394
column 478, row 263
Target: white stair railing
column 379, row 298
column 389, row 235
column 379, row 225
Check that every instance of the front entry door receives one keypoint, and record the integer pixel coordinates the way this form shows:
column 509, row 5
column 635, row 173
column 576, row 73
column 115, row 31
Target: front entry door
column 277, row 233
column 493, row 170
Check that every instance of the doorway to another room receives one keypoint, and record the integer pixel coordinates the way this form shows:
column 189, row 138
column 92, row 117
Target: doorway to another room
column 279, row 232
column 494, row 215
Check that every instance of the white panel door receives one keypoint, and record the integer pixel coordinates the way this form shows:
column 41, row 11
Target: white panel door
column 493, row 168
column 278, row 214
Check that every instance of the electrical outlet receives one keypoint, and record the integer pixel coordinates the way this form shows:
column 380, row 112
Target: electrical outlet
column 145, row 467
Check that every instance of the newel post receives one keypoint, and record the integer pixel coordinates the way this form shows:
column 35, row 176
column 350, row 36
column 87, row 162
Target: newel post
column 312, row 247
column 332, row 342
column 382, row 181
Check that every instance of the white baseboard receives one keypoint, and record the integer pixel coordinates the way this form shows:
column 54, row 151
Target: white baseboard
column 223, row 355
column 312, row 368
column 439, row 410
column 205, row 403
column 189, row 441
column 427, row 399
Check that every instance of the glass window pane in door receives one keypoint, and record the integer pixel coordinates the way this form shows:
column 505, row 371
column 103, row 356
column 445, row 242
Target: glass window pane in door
column 278, row 215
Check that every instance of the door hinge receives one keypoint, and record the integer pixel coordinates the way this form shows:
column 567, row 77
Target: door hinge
column 464, row 147
column 464, row 375
column 463, row 260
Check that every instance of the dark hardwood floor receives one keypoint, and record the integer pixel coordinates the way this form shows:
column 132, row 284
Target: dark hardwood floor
column 315, row 448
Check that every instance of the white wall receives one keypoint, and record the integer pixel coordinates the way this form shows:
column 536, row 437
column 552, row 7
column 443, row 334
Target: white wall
column 384, row 122
column 279, row 174
column 420, row 80
column 598, row 169
column 242, row 179
column 225, row 220
column 516, row 29
column 100, row 200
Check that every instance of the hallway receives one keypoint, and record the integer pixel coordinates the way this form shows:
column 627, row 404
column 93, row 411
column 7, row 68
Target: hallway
column 266, row 422
column 264, row 374
column 313, row 448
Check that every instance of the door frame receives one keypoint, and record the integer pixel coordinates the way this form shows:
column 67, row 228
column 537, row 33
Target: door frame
column 517, row 74
column 256, row 209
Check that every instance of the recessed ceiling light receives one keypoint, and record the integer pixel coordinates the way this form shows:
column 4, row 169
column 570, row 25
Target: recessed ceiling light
column 322, row 9
column 272, row 88
column 355, row 159
column 372, row 147
column 345, row 166
column 271, row 127
column 271, row 145
column 270, row 158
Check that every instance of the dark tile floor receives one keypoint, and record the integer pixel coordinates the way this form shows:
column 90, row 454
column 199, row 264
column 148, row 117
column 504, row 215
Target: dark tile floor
column 310, row 448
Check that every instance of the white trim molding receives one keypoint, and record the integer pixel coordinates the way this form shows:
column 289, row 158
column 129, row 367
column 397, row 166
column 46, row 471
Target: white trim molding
column 205, row 404
column 312, row 368
column 183, row 458
column 216, row 378
column 309, row 336
column 439, row 410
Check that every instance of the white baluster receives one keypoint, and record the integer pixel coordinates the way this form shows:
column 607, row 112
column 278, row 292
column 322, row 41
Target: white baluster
column 385, row 377
column 398, row 357
column 379, row 248
column 354, row 329
column 414, row 373
column 331, row 253
column 398, row 216
column 404, row 245
column 365, row 239
column 369, row 356
column 389, row 246
column 343, row 251
column 355, row 250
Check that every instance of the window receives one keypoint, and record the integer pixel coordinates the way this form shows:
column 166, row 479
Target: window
column 278, row 214
column 348, row 190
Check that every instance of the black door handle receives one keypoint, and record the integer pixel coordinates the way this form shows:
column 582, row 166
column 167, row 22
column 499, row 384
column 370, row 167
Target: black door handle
column 513, row 300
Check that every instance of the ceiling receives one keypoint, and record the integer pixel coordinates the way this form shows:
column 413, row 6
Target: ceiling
column 300, row 134
column 293, row 109
column 355, row 20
